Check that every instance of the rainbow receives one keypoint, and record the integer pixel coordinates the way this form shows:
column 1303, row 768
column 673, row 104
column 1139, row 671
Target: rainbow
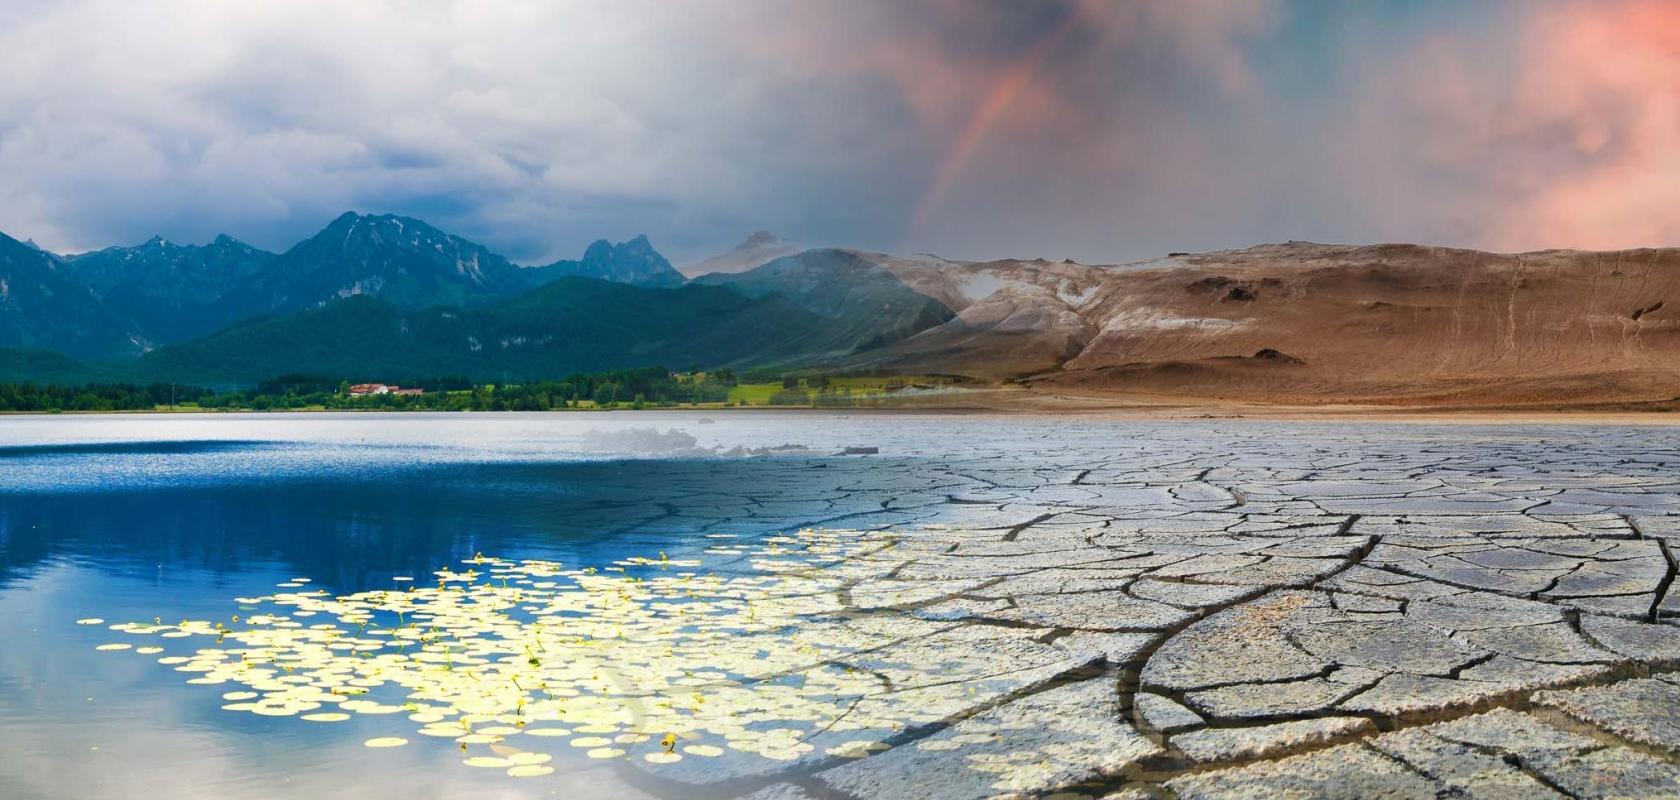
column 997, row 99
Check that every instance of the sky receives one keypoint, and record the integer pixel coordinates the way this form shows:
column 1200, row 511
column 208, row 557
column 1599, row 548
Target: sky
column 1104, row 131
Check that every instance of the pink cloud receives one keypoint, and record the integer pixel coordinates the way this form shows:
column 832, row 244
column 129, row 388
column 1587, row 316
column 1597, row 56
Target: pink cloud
column 1608, row 78
column 1569, row 136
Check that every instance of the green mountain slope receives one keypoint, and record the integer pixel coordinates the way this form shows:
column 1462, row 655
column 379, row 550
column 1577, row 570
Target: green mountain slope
column 42, row 307
column 46, row 366
column 570, row 325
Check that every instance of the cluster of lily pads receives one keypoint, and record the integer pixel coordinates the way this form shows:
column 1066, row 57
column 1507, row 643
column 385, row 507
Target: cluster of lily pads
column 649, row 658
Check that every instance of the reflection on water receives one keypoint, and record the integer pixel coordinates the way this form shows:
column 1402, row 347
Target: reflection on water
column 531, row 665
column 127, row 519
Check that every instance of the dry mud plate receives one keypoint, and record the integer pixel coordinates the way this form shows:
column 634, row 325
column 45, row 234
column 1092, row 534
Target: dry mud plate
column 1404, row 616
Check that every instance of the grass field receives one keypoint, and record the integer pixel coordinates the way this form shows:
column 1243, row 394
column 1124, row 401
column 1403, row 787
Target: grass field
column 758, row 394
column 755, row 394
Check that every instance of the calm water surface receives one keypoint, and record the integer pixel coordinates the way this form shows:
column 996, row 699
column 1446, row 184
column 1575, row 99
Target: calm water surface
column 131, row 517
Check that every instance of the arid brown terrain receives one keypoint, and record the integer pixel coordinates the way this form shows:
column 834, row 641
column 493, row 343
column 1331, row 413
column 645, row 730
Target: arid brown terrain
column 1311, row 323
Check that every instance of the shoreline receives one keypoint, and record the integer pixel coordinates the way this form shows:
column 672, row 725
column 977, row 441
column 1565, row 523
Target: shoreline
column 1181, row 412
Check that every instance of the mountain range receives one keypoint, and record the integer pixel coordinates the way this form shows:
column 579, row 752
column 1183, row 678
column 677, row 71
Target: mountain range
column 388, row 297
column 122, row 302
column 165, row 291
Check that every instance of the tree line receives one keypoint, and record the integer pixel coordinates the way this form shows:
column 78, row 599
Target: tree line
column 636, row 388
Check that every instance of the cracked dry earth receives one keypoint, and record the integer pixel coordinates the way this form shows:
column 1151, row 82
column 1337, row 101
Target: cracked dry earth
column 1403, row 616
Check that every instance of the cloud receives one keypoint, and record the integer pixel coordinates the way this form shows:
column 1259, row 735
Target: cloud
column 1097, row 130
column 538, row 126
column 1568, row 135
column 536, row 123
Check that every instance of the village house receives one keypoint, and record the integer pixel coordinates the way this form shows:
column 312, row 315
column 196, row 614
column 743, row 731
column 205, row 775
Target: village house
column 366, row 389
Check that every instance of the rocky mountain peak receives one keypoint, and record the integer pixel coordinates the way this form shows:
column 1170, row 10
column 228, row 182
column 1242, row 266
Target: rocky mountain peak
column 634, row 262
